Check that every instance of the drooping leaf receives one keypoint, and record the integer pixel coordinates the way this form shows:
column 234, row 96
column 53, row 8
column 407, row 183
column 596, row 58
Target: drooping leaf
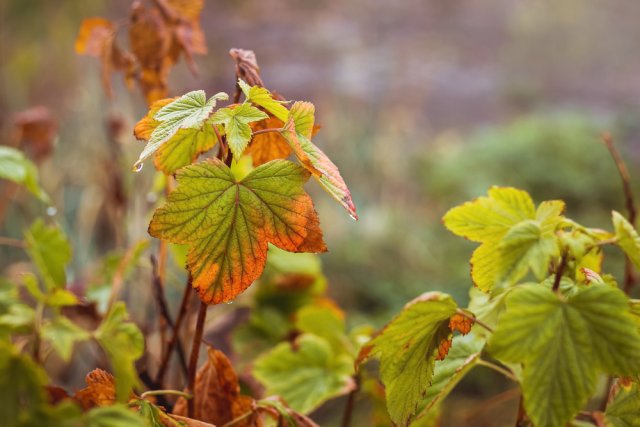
column 217, row 394
column 236, row 124
column 564, row 343
column 307, row 375
column 188, row 113
column 628, row 238
column 263, row 98
column 300, row 123
column 14, row 166
column 624, row 409
column 50, row 251
column 63, row 334
column 407, row 348
column 124, row 344
column 228, row 224
column 268, row 146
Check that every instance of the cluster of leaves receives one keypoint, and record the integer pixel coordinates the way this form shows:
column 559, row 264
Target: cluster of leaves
column 159, row 33
column 542, row 313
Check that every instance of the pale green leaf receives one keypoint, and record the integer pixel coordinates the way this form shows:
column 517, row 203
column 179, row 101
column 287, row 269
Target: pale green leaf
column 62, row 334
column 113, row 416
column 628, row 238
column 190, row 111
column 236, row 125
column 564, row 343
column 624, row 409
column 407, row 348
column 14, row 166
column 263, row 98
column 60, row 298
column 305, row 376
column 326, row 321
column 124, row 344
column 50, row 251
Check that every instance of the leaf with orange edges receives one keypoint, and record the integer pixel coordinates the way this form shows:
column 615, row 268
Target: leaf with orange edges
column 217, row 394
column 228, row 223
column 408, row 348
column 268, row 146
column 297, row 132
column 100, row 390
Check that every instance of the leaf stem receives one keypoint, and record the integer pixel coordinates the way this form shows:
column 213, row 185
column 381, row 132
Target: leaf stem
column 261, row 131
column 174, row 337
column 16, row 243
column 351, row 400
column 474, row 319
column 195, row 351
column 165, row 392
column 560, row 270
column 238, row 419
column 506, row 372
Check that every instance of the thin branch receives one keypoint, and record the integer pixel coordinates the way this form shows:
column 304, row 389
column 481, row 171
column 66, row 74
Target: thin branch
column 174, row 341
column 629, row 276
column 474, row 319
column 195, row 351
column 507, row 373
column 238, row 419
column 522, row 415
column 16, row 243
column 560, row 270
column 261, row 131
column 165, row 392
column 351, row 401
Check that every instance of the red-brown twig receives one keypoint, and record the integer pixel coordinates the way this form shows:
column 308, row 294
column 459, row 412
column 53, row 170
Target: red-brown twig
column 195, row 351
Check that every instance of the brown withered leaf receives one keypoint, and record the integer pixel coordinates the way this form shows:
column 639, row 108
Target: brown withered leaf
column 268, row 146
column 35, row 131
column 97, row 38
column 100, row 390
column 277, row 409
column 246, row 66
column 217, row 398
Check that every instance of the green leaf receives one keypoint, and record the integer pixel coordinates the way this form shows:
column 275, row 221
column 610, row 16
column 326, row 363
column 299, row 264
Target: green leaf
column 124, row 344
column 490, row 218
column 624, row 409
column 113, row 416
column 464, row 356
column 190, row 111
column 263, row 98
column 21, row 386
column 63, row 334
column 50, row 251
column 307, row 375
column 301, row 119
column 236, row 125
column 14, row 166
column 228, row 223
column 407, row 348
column 60, row 298
column 151, row 413
column 628, row 238
column 564, row 343
column 326, row 321
column 184, row 147
column 19, row 318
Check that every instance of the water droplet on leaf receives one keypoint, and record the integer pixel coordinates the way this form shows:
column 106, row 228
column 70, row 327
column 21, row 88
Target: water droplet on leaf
column 137, row 166
column 51, row 210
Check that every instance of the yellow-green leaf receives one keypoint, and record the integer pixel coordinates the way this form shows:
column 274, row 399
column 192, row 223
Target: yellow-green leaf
column 263, row 98
column 236, row 125
column 14, row 166
column 628, row 238
column 62, row 334
column 50, row 251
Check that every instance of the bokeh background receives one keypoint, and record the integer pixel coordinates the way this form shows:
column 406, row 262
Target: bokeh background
column 423, row 104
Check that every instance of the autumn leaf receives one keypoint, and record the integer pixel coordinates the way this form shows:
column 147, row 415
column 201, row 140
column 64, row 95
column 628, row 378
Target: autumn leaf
column 408, row 348
column 300, row 123
column 179, row 130
column 100, row 390
column 268, row 146
column 34, row 131
column 228, row 224
column 246, row 66
column 217, row 394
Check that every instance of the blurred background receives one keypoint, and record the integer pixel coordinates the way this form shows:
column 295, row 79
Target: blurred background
column 423, row 104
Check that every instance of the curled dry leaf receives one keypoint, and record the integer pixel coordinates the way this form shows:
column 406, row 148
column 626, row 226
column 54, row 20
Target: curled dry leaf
column 100, row 390
column 217, row 397
column 246, row 66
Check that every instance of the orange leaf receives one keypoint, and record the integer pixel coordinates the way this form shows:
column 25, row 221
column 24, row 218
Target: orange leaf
column 93, row 35
column 147, row 124
column 268, row 146
column 228, row 223
column 100, row 390
column 460, row 323
column 217, row 398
